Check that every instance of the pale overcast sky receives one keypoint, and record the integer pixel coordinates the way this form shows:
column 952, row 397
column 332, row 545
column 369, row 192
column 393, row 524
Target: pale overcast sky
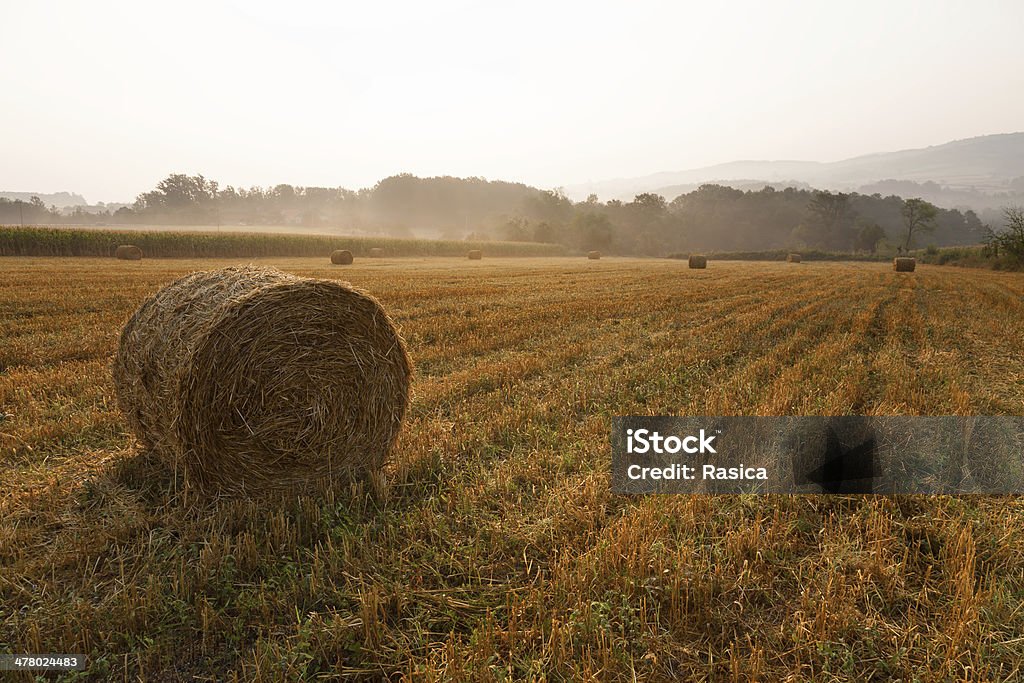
column 106, row 98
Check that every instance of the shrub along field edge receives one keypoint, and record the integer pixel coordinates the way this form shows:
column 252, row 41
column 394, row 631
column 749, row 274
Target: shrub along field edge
column 38, row 241
column 781, row 254
column 977, row 256
column 970, row 257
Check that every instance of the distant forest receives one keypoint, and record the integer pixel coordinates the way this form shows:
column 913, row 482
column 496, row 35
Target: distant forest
column 709, row 218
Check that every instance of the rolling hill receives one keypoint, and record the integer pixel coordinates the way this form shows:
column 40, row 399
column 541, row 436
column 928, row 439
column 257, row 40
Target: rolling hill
column 986, row 164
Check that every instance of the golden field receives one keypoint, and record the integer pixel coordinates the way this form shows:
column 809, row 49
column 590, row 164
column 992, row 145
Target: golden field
column 493, row 549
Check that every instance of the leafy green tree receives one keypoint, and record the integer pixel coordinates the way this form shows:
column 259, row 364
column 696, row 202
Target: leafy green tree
column 592, row 231
column 1010, row 240
column 550, row 205
column 515, row 230
column 869, row 234
column 178, row 191
column 832, row 218
column 918, row 217
column 545, row 232
column 32, row 212
column 803, row 235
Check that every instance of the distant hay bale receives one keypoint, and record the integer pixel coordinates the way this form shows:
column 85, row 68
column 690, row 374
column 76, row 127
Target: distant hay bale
column 593, row 255
column 341, row 257
column 251, row 379
column 128, row 252
column 904, row 264
column 475, row 254
column 698, row 261
column 376, row 252
column 794, row 258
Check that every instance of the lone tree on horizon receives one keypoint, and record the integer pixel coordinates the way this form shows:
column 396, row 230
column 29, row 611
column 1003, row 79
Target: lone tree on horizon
column 918, row 216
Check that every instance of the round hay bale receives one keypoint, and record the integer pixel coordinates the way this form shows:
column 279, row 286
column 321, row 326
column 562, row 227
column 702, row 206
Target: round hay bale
column 376, row 252
column 251, row 379
column 794, row 258
column 341, row 257
column 698, row 261
column 593, row 255
column 904, row 264
column 475, row 254
column 128, row 252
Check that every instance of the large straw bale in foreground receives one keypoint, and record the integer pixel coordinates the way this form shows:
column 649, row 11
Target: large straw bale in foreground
column 250, row 378
column 904, row 264
column 128, row 252
column 593, row 255
column 341, row 257
column 698, row 261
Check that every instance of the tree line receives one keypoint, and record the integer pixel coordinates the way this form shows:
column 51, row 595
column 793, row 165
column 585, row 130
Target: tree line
column 710, row 218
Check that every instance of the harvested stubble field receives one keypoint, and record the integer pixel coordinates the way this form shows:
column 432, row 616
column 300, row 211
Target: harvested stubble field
column 493, row 549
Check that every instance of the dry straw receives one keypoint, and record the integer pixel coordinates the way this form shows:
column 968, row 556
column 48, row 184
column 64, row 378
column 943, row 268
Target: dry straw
column 904, row 264
column 593, row 255
column 341, row 257
column 249, row 379
column 376, row 252
column 698, row 261
column 128, row 252
column 475, row 254
column 794, row 258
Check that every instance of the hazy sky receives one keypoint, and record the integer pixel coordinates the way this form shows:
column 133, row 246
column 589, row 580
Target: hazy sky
column 106, row 98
